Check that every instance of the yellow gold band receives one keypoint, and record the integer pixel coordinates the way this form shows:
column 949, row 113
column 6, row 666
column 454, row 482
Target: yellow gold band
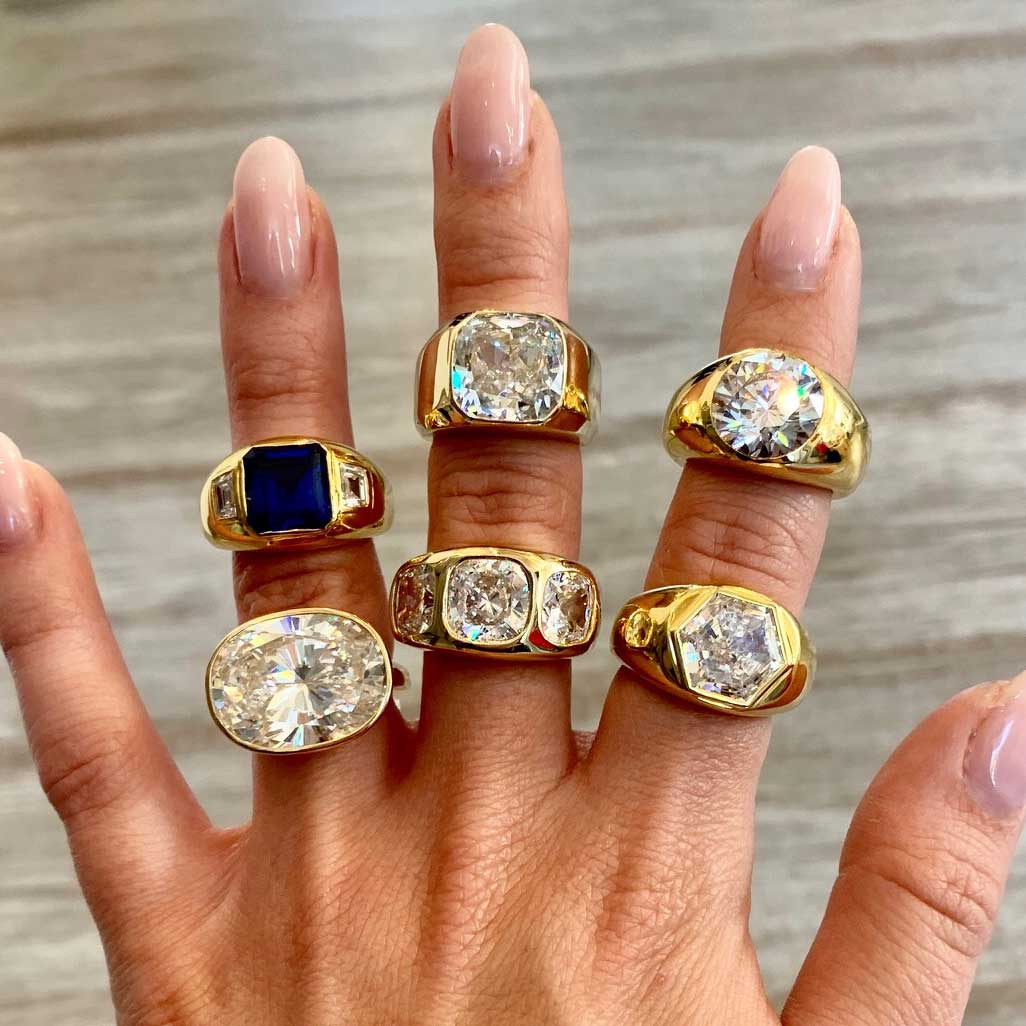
column 496, row 368
column 725, row 648
column 497, row 602
column 774, row 414
column 294, row 493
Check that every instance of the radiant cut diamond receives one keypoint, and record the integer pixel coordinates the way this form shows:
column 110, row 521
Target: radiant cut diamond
column 355, row 487
column 415, row 599
column 730, row 647
column 567, row 607
column 767, row 405
column 509, row 367
column 224, row 497
column 487, row 601
column 297, row 681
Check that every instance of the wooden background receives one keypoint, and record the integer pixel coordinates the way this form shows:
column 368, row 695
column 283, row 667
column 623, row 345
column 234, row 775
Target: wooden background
column 120, row 122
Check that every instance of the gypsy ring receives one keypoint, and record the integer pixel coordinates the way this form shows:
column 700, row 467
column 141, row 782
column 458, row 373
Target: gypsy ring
column 299, row 680
column 494, row 367
column 493, row 601
column 725, row 648
column 296, row 493
column 774, row 413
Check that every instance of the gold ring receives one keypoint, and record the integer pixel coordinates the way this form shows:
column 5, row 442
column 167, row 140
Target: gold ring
column 499, row 602
column 295, row 493
column 299, row 680
column 495, row 367
column 725, row 648
column 776, row 414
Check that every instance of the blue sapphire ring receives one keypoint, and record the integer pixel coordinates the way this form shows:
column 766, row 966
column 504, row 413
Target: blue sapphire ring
column 500, row 368
column 296, row 493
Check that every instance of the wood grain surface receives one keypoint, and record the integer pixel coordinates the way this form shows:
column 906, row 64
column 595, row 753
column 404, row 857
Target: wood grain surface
column 120, row 123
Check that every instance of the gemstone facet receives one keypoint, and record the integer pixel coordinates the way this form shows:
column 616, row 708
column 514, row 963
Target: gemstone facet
column 355, row 487
column 299, row 680
column 730, row 647
column 415, row 599
column 287, row 488
column 223, row 490
column 509, row 367
column 767, row 404
column 487, row 600
column 567, row 608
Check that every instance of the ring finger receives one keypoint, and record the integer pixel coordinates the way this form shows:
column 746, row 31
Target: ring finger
column 285, row 370
column 502, row 242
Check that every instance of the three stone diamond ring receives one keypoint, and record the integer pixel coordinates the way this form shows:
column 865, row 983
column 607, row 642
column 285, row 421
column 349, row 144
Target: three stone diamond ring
column 486, row 864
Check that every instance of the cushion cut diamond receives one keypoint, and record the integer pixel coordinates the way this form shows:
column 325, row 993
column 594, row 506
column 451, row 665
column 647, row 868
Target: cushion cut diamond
column 509, row 367
column 298, row 681
column 767, row 404
column 567, row 608
column 415, row 599
column 487, row 600
column 730, row 647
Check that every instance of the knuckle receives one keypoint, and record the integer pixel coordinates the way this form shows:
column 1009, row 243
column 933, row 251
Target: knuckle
column 955, row 897
column 483, row 497
column 86, row 770
column 523, row 260
column 763, row 544
column 314, row 579
column 285, row 364
column 787, row 320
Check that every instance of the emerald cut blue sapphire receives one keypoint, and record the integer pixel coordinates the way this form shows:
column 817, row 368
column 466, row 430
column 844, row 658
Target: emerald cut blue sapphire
column 287, row 488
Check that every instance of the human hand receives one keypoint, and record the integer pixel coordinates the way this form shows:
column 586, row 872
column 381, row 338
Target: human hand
column 491, row 867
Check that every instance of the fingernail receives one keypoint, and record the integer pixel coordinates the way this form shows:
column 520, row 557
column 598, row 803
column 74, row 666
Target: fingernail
column 16, row 513
column 490, row 105
column 995, row 764
column 799, row 226
column 272, row 219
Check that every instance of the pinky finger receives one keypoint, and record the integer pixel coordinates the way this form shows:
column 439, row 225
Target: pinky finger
column 128, row 812
column 923, row 871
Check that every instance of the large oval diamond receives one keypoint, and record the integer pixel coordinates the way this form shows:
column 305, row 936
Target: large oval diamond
column 767, row 404
column 296, row 681
column 509, row 367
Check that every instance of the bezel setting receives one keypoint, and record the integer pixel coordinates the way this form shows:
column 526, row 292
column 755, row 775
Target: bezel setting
column 725, row 648
column 502, row 368
column 294, row 492
column 774, row 413
column 492, row 601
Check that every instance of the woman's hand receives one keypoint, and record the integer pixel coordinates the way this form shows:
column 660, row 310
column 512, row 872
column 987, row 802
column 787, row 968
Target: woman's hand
column 489, row 867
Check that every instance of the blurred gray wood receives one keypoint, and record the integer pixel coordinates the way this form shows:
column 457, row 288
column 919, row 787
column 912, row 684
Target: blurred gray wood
column 119, row 126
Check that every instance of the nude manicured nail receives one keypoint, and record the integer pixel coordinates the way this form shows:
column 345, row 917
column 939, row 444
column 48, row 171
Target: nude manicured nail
column 490, row 105
column 995, row 764
column 16, row 512
column 272, row 219
column 799, row 227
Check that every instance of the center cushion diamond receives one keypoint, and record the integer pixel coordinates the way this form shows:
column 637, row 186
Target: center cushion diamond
column 730, row 647
column 766, row 405
column 298, row 681
column 509, row 367
column 487, row 601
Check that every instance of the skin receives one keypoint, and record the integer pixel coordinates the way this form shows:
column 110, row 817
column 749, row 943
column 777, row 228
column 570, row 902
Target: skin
column 491, row 867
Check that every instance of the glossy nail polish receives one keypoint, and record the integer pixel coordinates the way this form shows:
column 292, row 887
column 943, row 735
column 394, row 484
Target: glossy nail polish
column 799, row 225
column 17, row 515
column 272, row 219
column 490, row 105
column 995, row 763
